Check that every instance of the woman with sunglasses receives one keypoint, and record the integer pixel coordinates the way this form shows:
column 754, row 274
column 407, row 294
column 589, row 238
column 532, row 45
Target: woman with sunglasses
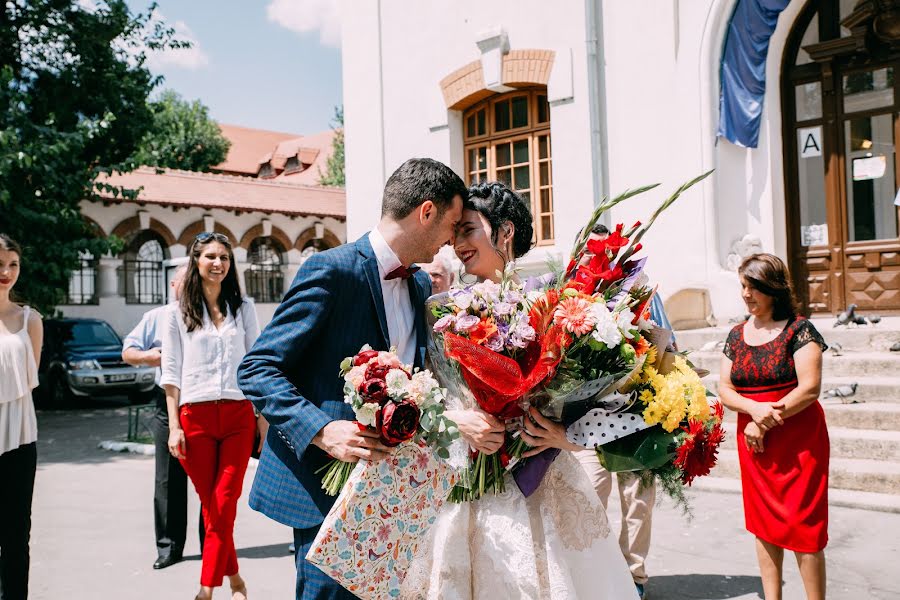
column 211, row 425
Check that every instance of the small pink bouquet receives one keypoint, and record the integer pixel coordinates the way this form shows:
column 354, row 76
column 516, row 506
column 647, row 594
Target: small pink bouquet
column 400, row 403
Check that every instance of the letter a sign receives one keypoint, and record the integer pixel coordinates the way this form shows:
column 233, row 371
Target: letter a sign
column 809, row 142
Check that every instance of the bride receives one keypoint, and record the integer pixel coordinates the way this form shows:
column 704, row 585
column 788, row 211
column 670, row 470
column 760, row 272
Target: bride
column 553, row 545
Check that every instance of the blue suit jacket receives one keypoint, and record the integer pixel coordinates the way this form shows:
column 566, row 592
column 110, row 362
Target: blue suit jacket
column 291, row 374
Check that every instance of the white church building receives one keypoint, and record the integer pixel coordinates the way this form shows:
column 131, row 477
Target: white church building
column 574, row 100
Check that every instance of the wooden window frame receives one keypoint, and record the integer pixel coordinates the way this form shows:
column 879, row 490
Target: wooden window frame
column 491, row 139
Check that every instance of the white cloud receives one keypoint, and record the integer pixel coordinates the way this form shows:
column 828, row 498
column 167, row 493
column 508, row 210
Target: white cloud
column 304, row 16
column 192, row 58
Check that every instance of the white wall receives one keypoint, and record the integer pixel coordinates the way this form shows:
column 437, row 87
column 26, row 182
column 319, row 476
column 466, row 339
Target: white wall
column 661, row 109
column 419, row 44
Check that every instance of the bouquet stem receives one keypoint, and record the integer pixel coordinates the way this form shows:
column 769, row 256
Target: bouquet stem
column 337, row 472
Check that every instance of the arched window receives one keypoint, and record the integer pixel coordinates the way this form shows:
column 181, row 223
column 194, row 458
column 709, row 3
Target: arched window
column 507, row 138
column 141, row 275
column 264, row 279
column 840, row 110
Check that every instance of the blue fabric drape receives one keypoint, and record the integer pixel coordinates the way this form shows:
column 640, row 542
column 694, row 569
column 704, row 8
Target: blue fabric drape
column 744, row 69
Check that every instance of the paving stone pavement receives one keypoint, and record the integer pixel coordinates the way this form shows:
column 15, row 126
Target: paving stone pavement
column 93, row 534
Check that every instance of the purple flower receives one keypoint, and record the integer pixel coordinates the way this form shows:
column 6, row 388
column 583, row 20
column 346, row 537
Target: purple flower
column 465, row 323
column 495, row 343
column 444, row 323
column 503, row 309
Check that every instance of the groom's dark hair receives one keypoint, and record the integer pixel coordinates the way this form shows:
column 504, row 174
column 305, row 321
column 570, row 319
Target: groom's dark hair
column 417, row 180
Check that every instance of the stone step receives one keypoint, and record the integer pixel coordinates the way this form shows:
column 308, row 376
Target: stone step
column 866, row 338
column 850, row 364
column 875, row 390
column 876, row 416
column 868, row 475
column 846, row 498
column 845, row 443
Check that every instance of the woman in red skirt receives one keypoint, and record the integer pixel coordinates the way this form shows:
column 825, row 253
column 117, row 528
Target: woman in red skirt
column 771, row 376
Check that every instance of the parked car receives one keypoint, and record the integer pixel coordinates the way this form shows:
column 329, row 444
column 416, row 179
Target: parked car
column 82, row 358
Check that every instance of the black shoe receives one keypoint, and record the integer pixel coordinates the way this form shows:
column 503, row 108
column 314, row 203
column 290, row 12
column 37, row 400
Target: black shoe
column 166, row 561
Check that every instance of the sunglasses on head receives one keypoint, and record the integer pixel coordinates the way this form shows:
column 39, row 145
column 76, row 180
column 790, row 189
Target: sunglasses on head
column 207, row 236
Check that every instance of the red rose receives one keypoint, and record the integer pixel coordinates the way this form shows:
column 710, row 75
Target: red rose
column 364, row 357
column 397, row 422
column 373, row 390
column 376, row 371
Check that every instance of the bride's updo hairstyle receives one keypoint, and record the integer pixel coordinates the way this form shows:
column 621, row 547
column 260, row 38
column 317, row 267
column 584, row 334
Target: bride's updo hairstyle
column 499, row 204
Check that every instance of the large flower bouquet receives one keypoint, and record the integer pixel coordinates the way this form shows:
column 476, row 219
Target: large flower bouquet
column 488, row 332
column 616, row 387
column 397, row 401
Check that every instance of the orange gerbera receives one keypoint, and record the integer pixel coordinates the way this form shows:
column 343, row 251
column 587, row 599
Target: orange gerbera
column 481, row 332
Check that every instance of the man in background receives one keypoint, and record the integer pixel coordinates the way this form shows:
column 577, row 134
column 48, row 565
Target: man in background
column 442, row 275
column 143, row 347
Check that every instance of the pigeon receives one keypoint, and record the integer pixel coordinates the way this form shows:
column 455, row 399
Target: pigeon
column 836, row 349
column 895, row 347
column 859, row 320
column 845, row 317
column 843, row 392
column 874, row 319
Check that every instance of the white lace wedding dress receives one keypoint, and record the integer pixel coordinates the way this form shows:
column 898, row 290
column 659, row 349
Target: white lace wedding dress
column 553, row 545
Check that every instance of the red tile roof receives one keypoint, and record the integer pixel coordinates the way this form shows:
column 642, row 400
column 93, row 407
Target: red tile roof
column 248, row 146
column 208, row 190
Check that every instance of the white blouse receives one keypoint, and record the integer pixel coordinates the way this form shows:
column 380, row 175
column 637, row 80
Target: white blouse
column 18, row 376
column 203, row 363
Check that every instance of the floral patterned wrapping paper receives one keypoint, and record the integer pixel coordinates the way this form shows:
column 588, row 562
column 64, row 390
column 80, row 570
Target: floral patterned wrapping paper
column 370, row 536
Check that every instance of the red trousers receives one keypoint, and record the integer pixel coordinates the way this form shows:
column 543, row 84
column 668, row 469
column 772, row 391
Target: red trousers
column 219, row 437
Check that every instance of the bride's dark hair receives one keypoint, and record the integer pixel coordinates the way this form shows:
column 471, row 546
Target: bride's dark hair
column 499, row 204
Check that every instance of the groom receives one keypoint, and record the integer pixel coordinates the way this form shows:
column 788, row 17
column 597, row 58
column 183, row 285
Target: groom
column 360, row 293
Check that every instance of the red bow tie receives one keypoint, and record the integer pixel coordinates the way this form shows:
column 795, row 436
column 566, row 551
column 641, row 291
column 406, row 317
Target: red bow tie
column 401, row 272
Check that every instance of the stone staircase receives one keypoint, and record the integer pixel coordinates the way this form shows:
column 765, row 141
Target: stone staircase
column 864, row 428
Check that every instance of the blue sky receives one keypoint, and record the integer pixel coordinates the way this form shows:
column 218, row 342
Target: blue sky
column 268, row 64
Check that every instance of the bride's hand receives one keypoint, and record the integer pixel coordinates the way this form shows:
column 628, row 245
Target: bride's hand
column 480, row 430
column 541, row 433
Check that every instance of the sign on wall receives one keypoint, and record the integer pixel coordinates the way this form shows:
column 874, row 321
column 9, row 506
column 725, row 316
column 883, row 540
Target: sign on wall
column 809, row 142
column 870, row 167
column 814, row 235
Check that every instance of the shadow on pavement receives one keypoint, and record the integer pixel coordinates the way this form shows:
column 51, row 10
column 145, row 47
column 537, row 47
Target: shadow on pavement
column 702, row 587
column 253, row 552
column 73, row 436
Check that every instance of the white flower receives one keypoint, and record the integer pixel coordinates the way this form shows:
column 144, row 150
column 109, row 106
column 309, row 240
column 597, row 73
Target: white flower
column 365, row 414
column 642, row 280
column 607, row 330
column 488, row 290
column 463, row 300
column 533, row 296
column 624, row 321
column 421, row 389
column 397, row 382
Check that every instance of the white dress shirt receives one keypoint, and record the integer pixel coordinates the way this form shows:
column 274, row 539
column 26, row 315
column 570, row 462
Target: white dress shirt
column 203, row 363
column 397, row 304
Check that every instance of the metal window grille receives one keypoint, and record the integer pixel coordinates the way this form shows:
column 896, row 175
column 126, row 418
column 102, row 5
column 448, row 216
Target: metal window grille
column 83, row 283
column 142, row 281
column 264, row 279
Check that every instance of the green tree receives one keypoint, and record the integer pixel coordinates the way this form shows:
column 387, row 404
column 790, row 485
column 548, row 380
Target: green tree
column 73, row 106
column 334, row 168
column 183, row 136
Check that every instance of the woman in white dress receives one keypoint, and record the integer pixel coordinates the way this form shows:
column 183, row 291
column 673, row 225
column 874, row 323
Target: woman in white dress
column 552, row 545
column 21, row 336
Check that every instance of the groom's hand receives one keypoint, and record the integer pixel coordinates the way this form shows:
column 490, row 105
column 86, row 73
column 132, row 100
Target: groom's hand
column 345, row 441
